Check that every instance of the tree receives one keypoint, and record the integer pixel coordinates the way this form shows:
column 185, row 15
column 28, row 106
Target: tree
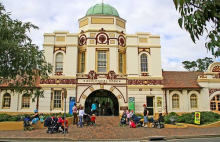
column 195, row 14
column 22, row 64
column 198, row 65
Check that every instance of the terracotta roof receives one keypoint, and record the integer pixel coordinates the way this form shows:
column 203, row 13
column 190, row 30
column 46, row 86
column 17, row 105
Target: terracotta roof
column 181, row 79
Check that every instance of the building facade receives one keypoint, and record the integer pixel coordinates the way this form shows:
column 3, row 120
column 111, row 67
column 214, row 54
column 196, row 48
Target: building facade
column 103, row 64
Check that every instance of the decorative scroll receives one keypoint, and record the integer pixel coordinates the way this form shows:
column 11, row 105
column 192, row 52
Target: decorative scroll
column 59, row 49
column 211, row 91
column 58, row 73
column 58, row 81
column 121, row 41
column 145, row 82
column 217, row 76
column 216, row 69
column 111, row 75
column 102, row 38
column 203, row 76
column 143, row 50
column 82, row 40
column 92, row 75
column 144, row 74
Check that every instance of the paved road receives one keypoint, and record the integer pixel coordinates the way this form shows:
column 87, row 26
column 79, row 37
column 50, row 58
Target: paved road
column 197, row 140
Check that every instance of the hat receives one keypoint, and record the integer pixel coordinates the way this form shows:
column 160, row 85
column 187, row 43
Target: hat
column 144, row 104
column 35, row 110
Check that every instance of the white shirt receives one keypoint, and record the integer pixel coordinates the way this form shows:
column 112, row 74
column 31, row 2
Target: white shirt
column 81, row 112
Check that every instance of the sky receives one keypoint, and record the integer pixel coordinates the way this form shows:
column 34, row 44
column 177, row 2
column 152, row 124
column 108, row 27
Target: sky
column 159, row 17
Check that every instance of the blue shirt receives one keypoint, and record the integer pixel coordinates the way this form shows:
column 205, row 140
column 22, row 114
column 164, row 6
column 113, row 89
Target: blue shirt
column 94, row 106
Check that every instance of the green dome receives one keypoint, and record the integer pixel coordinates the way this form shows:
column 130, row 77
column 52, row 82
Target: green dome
column 102, row 9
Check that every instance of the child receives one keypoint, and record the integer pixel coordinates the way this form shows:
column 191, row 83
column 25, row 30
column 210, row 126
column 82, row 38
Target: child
column 132, row 124
column 41, row 118
column 59, row 122
column 63, row 125
column 93, row 119
column 128, row 116
column 131, row 113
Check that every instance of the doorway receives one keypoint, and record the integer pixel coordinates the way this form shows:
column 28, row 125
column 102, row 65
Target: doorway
column 150, row 105
column 106, row 102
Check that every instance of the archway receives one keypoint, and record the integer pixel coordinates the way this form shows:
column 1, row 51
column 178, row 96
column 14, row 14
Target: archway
column 106, row 102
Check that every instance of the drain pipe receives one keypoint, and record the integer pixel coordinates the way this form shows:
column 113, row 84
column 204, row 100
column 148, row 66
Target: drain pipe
column 166, row 101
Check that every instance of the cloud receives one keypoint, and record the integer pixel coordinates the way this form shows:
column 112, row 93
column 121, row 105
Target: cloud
column 155, row 16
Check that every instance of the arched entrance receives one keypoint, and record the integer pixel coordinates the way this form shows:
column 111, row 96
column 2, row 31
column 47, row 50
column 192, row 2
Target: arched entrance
column 106, row 102
column 215, row 103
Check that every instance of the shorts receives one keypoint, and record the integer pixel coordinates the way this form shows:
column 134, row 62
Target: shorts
column 145, row 119
column 34, row 121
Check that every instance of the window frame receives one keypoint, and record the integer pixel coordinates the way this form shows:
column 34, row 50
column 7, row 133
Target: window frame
column 121, row 62
column 3, row 104
column 22, row 101
column 176, row 98
column 106, row 50
column 56, row 62
column 80, row 63
column 147, row 66
column 61, row 99
column 195, row 99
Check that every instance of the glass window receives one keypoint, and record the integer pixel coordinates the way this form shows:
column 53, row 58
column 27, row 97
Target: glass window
column 193, row 101
column 83, row 62
column 25, row 101
column 213, row 106
column 144, row 67
column 59, row 62
column 175, row 101
column 57, row 99
column 120, row 62
column 102, row 61
column 7, row 100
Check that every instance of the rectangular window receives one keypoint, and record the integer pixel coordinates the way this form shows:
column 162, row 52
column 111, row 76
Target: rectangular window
column 102, row 61
column 57, row 99
column 83, row 62
column 120, row 62
column 25, row 102
column 7, row 102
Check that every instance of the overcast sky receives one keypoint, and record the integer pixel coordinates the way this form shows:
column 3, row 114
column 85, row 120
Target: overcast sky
column 155, row 16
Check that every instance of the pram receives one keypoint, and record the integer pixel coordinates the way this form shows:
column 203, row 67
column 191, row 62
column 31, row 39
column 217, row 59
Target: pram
column 159, row 122
column 123, row 119
column 26, row 124
column 137, row 120
column 51, row 123
column 87, row 120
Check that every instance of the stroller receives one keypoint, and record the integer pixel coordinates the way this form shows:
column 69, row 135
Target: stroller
column 26, row 124
column 123, row 119
column 137, row 120
column 159, row 123
column 87, row 120
column 51, row 123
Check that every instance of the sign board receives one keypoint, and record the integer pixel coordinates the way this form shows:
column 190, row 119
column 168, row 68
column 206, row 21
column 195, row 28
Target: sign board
column 123, row 107
column 102, row 81
column 159, row 101
column 71, row 104
column 197, row 118
column 131, row 104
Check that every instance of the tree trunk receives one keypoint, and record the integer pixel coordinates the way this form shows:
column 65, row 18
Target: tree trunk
column 37, row 102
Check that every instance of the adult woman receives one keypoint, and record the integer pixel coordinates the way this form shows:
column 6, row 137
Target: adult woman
column 81, row 113
column 35, row 117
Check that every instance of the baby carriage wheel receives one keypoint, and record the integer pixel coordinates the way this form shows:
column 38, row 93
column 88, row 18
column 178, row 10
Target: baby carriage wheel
column 30, row 129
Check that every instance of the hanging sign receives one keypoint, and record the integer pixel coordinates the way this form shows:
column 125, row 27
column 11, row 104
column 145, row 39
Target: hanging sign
column 197, row 118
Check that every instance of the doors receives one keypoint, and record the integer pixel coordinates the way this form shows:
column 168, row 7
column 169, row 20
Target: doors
column 150, row 105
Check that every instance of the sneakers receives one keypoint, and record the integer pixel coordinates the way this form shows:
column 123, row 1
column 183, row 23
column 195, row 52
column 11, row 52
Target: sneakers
column 146, row 126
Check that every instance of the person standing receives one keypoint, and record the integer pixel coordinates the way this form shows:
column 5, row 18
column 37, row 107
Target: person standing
column 74, row 109
column 81, row 113
column 94, row 107
column 146, row 112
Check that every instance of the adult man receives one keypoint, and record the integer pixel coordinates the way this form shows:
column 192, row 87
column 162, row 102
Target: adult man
column 146, row 112
column 74, row 109
column 94, row 107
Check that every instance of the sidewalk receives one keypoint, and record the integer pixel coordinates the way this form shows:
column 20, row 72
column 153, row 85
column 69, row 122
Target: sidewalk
column 107, row 129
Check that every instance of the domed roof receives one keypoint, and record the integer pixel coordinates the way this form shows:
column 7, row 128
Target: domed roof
column 102, row 9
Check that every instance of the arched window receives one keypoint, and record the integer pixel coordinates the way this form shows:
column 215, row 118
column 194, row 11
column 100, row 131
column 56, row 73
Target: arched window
column 144, row 67
column 175, row 101
column 7, row 100
column 59, row 62
column 215, row 103
column 193, row 101
column 25, row 101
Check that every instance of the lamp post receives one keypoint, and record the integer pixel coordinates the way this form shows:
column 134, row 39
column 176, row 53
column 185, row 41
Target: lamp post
column 65, row 96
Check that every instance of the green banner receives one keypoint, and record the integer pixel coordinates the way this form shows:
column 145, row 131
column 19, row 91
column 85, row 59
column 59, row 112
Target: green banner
column 131, row 104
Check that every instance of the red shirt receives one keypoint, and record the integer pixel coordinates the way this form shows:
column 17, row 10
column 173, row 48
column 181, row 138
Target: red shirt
column 93, row 118
column 66, row 122
column 133, row 125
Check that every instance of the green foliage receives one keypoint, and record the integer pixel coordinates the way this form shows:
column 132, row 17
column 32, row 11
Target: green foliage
column 206, row 117
column 198, row 65
column 6, row 117
column 195, row 14
column 22, row 63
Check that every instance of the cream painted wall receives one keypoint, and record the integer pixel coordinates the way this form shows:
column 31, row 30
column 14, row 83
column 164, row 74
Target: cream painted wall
column 71, row 61
column 90, row 59
column 113, row 53
column 132, row 61
column 156, row 66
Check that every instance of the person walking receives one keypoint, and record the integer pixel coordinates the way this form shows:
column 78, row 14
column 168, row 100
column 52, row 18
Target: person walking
column 146, row 112
column 81, row 113
column 94, row 107
column 74, row 109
